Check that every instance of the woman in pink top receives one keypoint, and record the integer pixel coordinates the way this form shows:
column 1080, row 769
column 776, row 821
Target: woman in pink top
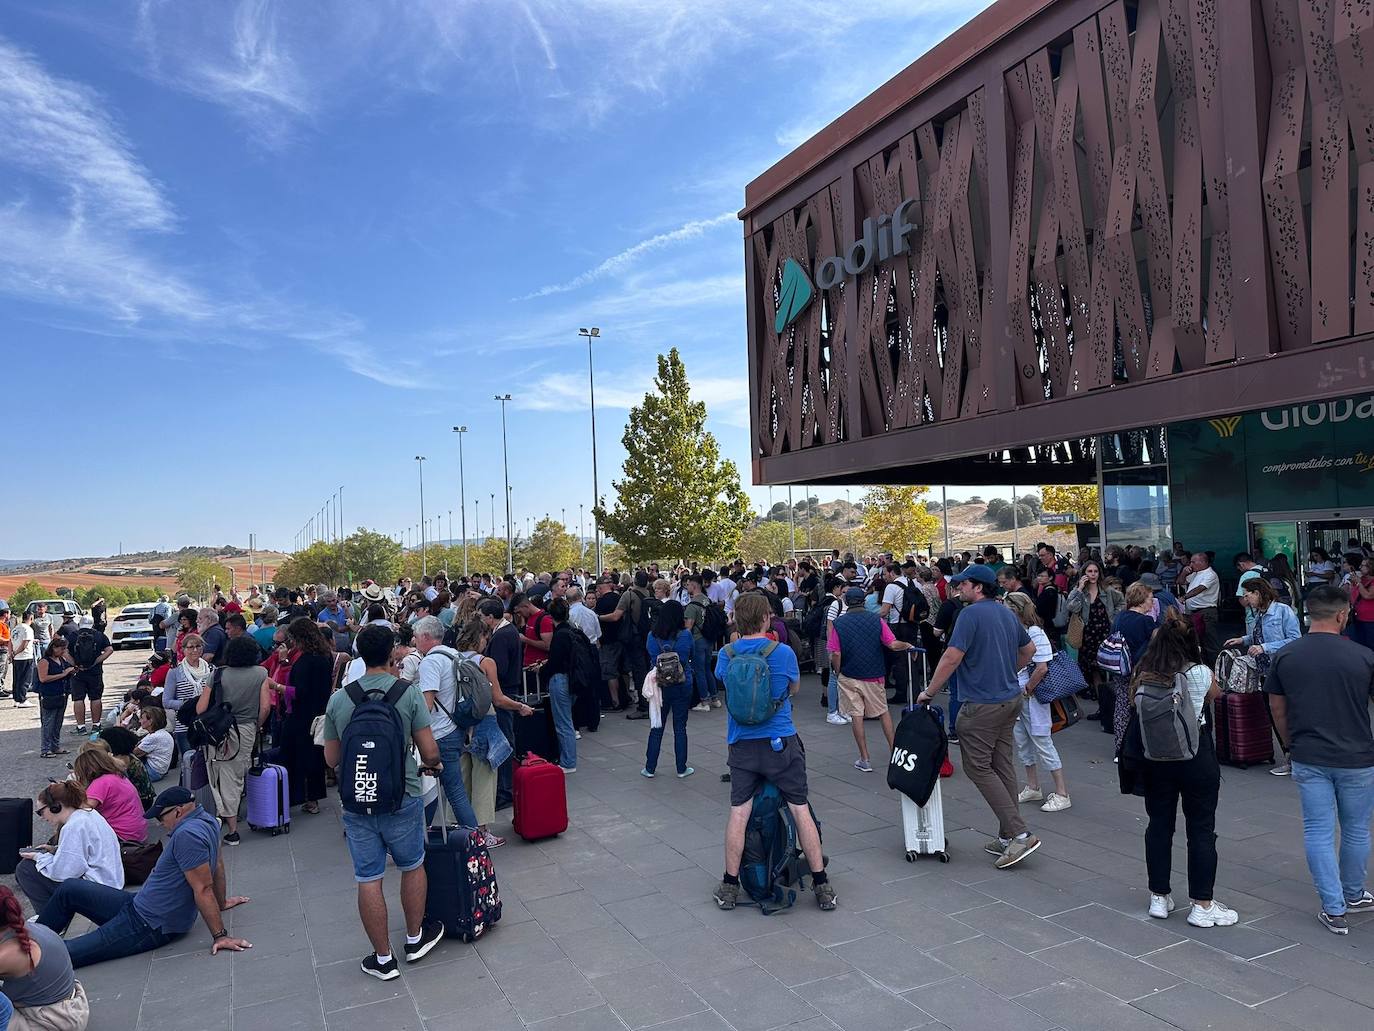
column 109, row 791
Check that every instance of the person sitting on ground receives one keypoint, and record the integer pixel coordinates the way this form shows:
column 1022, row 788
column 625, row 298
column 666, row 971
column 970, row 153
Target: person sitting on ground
column 156, row 748
column 766, row 752
column 855, row 644
column 1034, row 746
column 86, row 849
column 188, row 878
column 122, row 742
column 109, row 791
column 39, row 990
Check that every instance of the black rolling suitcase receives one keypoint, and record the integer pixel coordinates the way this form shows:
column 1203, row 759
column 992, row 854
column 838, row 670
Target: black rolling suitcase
column 463, row 894
column 16, row 830
column 535, row 733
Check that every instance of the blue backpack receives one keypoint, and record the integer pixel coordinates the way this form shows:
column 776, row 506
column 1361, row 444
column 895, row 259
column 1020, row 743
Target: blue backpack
column 748, row 688
column 773, row 868
column 373, row 746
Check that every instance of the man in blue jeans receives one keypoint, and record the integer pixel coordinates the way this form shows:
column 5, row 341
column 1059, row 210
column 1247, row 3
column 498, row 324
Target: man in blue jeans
column 695, row 614
column 400, row 834
column 435, row 680
column 1319, row 688
column 188, row 878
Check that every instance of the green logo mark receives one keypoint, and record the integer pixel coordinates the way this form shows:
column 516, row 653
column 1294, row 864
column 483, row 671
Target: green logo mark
column 795, row 295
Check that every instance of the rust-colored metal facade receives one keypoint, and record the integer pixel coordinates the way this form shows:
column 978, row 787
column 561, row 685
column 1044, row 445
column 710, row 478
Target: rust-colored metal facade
column 1128, row 214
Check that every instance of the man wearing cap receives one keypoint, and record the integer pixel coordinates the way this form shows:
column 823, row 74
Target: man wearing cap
column 856, row 642
column 188, row 878
column 987, row 647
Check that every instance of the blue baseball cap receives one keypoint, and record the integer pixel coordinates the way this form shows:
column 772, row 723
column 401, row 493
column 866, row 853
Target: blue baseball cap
column 981, row 573
column 854, row 596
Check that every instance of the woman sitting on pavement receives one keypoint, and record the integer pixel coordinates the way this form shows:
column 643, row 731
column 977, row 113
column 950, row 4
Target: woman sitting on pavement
column 1195, row 782
column 109, row 791
column 40, row 991
column 156, row 748
column 87, row 848
column 670, row 633
column 122, row 744
column 1032, row 730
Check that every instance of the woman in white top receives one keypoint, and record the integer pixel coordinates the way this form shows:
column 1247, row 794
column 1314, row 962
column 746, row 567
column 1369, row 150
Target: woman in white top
column 186, row 681
column 1195, row 782
column 1032, row 730
column 156, row 747
column 87, row 847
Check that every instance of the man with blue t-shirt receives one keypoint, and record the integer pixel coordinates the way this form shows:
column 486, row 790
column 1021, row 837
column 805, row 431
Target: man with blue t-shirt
column 769, row 751
column 988, row 646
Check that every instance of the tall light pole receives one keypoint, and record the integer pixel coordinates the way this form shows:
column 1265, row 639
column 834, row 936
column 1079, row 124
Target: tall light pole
column 343, row 560
column 581, row 541
column 462, row 496
column 424, row 562
column 944, row 507
column 505, row 469
column 491, row 527
column 476, row 523
column 792, row 522
column 592, row 334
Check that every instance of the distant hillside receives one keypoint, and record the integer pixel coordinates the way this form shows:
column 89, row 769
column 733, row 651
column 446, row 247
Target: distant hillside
column 129, row 558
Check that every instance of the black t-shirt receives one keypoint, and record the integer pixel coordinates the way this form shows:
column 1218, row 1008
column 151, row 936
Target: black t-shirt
column 1327, row 681
column 605, row 605
column 506, row 648
column 97, row 673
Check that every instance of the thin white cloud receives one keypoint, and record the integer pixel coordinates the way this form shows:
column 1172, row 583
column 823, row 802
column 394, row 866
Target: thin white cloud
column 726, row 397
column 618, row 263
column 56, row 129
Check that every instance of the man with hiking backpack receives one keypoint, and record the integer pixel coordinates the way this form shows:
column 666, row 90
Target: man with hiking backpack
column 760, row 677
column 89, row 650
column 369, row 728
column 439, row 672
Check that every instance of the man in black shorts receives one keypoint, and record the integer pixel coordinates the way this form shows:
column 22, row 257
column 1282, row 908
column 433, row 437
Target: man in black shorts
column 89, row 649
column 768, row 751
column 610, row 613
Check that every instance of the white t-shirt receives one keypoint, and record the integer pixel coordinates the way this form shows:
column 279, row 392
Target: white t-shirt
column 1036, row 714
column 787, row 605
column 585, row 619
column 1207, row 579
column 21, row 642
column 892, row 596
column 436, row 675
column 1199, row 683
column 158, row 747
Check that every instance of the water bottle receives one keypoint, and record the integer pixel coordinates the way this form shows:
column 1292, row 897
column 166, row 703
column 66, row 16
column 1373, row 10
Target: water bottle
column 776, row 744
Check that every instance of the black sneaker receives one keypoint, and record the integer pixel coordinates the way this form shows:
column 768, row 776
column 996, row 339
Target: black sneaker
column 232, row 839
column 637, row 715
column 431, row 932
column 1334, row 924
column 387, row 971
column 727, row 895
column 1360, row 905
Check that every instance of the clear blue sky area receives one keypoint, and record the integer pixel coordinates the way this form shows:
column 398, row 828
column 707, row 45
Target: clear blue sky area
column 253, row 251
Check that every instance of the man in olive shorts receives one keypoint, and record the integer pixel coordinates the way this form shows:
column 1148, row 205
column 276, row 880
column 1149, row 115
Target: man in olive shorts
column 768, row 751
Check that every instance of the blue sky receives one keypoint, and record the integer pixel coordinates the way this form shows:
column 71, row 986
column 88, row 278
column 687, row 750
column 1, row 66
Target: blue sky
column 253, row 251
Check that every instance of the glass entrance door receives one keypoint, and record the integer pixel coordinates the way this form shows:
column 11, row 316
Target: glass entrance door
column 1295, row 534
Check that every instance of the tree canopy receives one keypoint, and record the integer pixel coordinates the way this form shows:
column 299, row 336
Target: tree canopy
column 1080, row 499
column 678, row 498
column 896, row 520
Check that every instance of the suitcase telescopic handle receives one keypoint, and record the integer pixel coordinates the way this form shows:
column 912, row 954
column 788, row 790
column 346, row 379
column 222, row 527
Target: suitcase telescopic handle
column 439, row 812
column 910, row 675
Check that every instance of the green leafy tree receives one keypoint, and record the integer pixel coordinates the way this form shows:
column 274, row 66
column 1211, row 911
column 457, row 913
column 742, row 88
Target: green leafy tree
column 196, row 574
column 371, row 556
column 318, row 564
column 678, row 498
column 1080, row 499
column 769, row 540
column 29, row 590
column 896, row 520
column 550, row 547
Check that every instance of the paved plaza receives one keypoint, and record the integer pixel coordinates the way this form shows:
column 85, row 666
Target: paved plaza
column 612, row 925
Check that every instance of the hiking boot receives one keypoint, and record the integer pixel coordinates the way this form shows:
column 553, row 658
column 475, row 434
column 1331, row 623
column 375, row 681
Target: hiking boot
column 1056, row 803
column 825, row 896
column 1017, row 850
column 1161, row 906
column 431, row 933
column 728, row 894
column 1029, row 794
column 388, row 971
column 1334, row 924
column 1215, row 915
column 1360, row 905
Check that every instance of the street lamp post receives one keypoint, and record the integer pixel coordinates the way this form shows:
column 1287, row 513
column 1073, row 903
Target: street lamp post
column 581, row 541
column 592, row 334
column 505, row 469
column 491, row 527
column 462, row 497
column 343, row 561
column 424, row 558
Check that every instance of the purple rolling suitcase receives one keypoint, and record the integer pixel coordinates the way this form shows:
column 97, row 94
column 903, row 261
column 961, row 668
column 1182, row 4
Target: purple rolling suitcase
column 269, row 804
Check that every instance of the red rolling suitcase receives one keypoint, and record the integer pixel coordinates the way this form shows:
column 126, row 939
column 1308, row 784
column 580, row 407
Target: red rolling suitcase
column 1241, row 729
column 540, row 799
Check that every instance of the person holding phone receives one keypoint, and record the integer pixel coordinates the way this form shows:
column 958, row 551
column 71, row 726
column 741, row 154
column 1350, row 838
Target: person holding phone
column 87, row 848
column 55, row 671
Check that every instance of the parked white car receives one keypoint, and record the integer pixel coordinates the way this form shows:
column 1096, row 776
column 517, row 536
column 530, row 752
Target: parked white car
column 57, row 608
column 131, row 626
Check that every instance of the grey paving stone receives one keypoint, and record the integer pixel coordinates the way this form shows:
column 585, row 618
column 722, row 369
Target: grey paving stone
column 343, row 985
column 299, row 1012
column 601, row 1018
column 1108, row 970
column 753, row 1000
column 439, row 988
column 651, row 995
column 574, row 911
column 613, row 881
column 537, row 882
column 548, row 990
column 1023, row 931
column 1316, row 1010
column 1075, row 1006
column 393, row 1014
column 997, row 967
column 962, row 1004
column 1221, row 972
column 493, row 1016
column 856, row 1004
column 1242, row 940
column 707, row 1020
column 832, row 928
column 793, row 958
column 604, row 950
column 919, row 925
column 1343, row 977
column 1191, row 1008
column 263, row 976
column 647, row 916
column 1127, row 934
column 895, row 964
column 1030, row 895
column 697, row 954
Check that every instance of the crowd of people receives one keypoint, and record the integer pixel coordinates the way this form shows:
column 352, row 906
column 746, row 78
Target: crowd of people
column 563, row 649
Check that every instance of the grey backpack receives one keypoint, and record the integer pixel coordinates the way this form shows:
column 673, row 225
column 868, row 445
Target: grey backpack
column 1168, row 721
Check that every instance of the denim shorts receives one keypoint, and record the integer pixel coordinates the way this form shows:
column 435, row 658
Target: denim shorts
column 400, row 834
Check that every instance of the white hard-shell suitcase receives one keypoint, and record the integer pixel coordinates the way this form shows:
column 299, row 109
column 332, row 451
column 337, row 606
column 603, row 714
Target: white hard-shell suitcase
column 923, row 827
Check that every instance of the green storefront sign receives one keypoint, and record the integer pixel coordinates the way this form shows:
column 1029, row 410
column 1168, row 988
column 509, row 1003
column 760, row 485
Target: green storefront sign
column 1317, row 457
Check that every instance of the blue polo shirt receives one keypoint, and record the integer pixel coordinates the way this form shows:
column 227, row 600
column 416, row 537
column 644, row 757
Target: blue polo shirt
column 783, row 672
column 166, row 902
column 990, row 636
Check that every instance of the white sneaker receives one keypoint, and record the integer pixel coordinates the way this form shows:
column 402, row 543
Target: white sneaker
column 1030, row 795
column 1056, row 803
column 836, row 719
column 1162, row 905
column 1216, row 915
column 702, row 707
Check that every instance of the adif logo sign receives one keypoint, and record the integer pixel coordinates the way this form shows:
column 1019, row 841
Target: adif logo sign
column 1316, row 414
column 882, row 239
